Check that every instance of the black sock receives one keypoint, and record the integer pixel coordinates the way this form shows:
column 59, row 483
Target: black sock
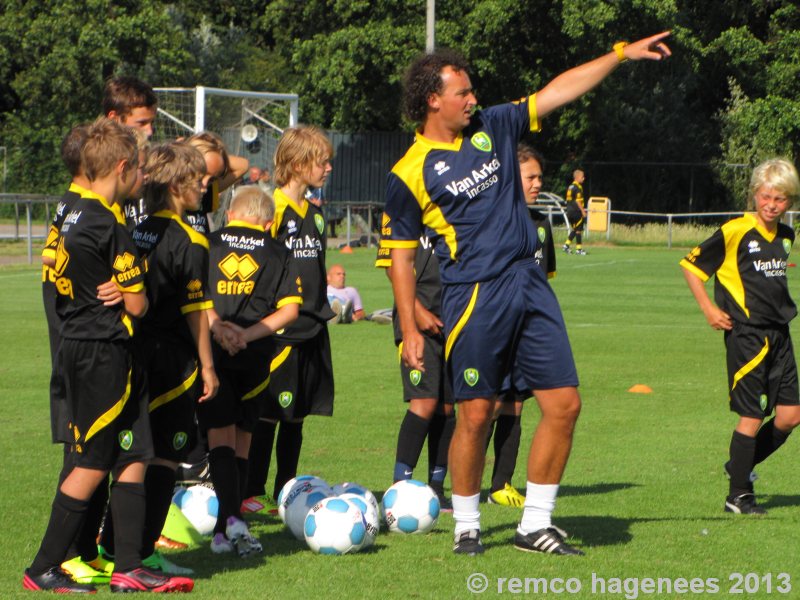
column 440, row 433
column 86, row 542
column 410, row 440
column 769, row 439
column 128, row 510
column 259, row 458
column 159, row 484
column 507, row 433
column 242, row 466
column 742, row 451
column 66, row 517
column 287, row 453
column 225, row 477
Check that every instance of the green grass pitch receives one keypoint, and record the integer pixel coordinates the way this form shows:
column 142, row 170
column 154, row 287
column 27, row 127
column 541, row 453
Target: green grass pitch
column 642, row 495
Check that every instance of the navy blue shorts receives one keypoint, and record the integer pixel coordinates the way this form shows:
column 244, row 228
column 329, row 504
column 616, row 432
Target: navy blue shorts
column 510, row 325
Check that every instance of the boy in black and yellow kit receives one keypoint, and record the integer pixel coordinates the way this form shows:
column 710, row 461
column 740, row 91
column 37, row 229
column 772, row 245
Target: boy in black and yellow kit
column 301, row 382
column 175, row 335
column 748, row 255
column 256, row 292
column 102, row 381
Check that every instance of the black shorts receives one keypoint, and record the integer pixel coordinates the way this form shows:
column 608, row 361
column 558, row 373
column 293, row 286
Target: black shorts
column 107, row 397
column 59, row 409
column 433, row 382
column 575, row 217
column 762, row 371
column 175, row 385
column 301, row 380
column 243, row 381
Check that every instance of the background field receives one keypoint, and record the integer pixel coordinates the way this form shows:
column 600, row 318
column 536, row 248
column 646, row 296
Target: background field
column 642, row 495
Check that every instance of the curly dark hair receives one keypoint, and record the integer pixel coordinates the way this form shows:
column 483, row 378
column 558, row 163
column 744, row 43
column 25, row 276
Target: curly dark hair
column 424, row 78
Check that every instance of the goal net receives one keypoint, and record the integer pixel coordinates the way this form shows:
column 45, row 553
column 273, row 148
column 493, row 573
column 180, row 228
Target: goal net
column 249, row 123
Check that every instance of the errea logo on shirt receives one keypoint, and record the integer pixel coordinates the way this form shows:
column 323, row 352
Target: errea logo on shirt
column 124, row 262
column 291, row 226
column 753, row 247
column 234, row 266
column 441, row 167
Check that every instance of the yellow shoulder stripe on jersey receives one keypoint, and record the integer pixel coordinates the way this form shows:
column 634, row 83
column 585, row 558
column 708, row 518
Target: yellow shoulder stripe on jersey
column 282, row 201
column 112, row 413
column 451, row 339
column 409, row 171
column 174, row 392
column 428, row 144
column 77, row 189
column 195, row 306
column 112, row 207
column 194, row 236
column 237, row 223
column 728, row 274
column 694, row 270
column 289, row 300
column 752, row 364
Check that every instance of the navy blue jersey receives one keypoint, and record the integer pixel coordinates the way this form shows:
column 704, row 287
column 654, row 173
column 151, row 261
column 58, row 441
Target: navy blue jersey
column 750, row 267
column 468, row 193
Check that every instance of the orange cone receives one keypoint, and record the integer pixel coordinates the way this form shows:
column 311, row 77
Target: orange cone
column 641, row 388
column 346, row 250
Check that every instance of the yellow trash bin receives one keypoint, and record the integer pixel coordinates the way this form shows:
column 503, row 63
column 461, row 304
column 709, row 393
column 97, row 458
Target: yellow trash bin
column 597, row 213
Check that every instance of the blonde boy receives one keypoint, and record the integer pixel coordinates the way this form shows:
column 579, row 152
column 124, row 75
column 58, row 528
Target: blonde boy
column 753, row 307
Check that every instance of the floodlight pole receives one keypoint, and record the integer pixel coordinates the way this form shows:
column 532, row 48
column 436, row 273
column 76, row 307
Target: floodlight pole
column 430, row 27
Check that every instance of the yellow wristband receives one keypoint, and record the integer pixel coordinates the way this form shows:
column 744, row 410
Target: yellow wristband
column 619, row 48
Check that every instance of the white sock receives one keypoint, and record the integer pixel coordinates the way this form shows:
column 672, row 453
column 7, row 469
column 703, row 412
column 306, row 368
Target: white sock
column 540, row 501
column 466, row 512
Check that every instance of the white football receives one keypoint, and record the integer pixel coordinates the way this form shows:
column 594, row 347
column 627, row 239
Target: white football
column 199, row 505
column 410, row 506
column 334, row 526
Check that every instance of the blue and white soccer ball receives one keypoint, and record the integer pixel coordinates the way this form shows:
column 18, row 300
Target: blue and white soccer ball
column 349, row 487
column 335, row 526
column 301, row 498
column 372, row 520
column 286, row 497
column 199, row 505
column 410, row 506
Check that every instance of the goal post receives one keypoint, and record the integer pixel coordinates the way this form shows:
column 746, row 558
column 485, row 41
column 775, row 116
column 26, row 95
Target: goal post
column 183, row 112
